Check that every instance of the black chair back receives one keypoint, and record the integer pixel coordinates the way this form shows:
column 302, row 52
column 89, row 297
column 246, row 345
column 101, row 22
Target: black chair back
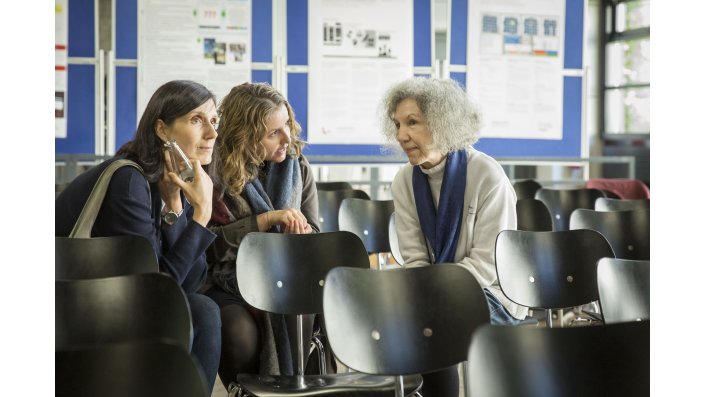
column 628, row 232
column 394, row 240
column 336, row 185
column 402, row 321
column 274, row 270
column 97, row 257
column 369, row 220
column 329, row 206
column 624, row 289
column 550, row 270
column 532, row 215
column 116, row 309
column 562, row 202
column 526, row 188
column 606, row 360
column 612, row 204
column 136, row 369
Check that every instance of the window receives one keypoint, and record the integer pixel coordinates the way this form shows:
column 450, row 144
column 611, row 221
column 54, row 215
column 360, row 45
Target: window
column 627, row 55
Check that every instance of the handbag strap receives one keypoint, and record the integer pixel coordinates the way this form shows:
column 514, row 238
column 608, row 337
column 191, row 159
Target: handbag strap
column 84, row 224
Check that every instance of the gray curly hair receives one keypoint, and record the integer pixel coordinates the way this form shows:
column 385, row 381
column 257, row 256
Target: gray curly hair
column 452, row 118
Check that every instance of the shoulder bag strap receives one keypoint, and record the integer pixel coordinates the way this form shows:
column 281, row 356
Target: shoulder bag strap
column 84, row 224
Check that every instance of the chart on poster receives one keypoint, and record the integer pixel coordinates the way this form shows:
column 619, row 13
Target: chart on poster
column 209, row 42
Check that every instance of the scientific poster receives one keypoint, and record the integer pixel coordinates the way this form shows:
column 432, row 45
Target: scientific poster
column 356, row 51
column 515, row 66
column 61, row 37
column 207, row 41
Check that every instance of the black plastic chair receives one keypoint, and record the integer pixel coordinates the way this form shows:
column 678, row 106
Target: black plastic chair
column 526, row 188
column 87, row 258
column 624, row 289
column 550, row 270
column 394, row 240
column 532, row 215
column 369, row 220
column 119, row 309
column 612, row 204
column 336, row 185
column 402, row 321
column 136, row 369
column 562, row 202
column 284, row 274
column 605, row 360
column 628, row 232
column 329, row 206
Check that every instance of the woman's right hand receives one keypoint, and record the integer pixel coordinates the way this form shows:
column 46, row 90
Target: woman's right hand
column 280, row 217
column 199, row 192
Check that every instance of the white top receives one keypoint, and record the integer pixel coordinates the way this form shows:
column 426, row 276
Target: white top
column 490, row 207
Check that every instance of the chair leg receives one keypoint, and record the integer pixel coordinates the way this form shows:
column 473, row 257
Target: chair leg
column 318, row 345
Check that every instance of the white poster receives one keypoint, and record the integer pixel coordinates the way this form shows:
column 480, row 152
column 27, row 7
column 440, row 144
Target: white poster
column 61, row 39
column 515, row 66
column 357, row 49
column 207, row 41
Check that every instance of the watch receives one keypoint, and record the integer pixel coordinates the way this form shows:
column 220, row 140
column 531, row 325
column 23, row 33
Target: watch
column 171, row 216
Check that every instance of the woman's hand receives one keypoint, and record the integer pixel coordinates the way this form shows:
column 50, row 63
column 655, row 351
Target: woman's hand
column 169, row 190
column 290, row 219
column 199, row 192
column 297, row 227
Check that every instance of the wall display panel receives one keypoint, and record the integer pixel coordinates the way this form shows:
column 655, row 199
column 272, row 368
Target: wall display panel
column 80, row 97
column 541, row 115
column 206, row 41
column 365, row 147
column 355, row 53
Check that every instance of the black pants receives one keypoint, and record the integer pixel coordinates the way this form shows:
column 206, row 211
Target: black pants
column 443, row 383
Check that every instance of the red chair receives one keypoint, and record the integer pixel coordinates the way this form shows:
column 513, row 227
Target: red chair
column 628, row 189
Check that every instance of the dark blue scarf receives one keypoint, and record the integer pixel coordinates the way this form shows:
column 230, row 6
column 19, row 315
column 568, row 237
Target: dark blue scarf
column 283, row 188
column 442, row 227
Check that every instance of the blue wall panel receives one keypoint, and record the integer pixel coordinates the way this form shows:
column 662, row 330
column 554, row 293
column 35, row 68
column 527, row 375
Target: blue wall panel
column 80, row 106
column 126, row 29
column 422, row 33
column 574, row 26
column 81, row 28
column 458, row 32
column 262, row 31
column 260, row 76
column 125, row 104
column 298, row 99
column 297, row 32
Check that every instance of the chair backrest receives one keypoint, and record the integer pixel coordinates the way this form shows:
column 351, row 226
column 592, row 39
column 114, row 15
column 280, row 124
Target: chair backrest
column 624, row 289
column 394, row 240
column 97, row 257
column 116, row 309
column 369, row 220
column 612, row 204
column 402, row 321
column 526, row 188
column 626, row 231
column 533, row 215
column 550, row 270
column 562, row 202
column 336, row 185
column 604, row 360
column 329, row 206
column 284, row 273
column 137, row 369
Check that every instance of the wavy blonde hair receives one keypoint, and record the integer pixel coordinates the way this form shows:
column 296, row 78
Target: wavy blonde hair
column 452, row 118
column 244, row 113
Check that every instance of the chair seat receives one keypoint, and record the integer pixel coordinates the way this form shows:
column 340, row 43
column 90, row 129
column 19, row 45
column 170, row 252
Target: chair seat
column 352, row 383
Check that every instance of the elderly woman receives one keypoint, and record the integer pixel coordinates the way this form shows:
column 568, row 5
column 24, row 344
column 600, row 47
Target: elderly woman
column 450, row 200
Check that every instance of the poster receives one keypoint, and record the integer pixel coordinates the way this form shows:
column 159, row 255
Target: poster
column 207, row 41
column 60, row 66
column 356, row 51
column 515, row 66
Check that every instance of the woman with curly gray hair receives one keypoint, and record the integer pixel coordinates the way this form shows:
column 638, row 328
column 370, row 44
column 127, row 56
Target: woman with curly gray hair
column 450, row 200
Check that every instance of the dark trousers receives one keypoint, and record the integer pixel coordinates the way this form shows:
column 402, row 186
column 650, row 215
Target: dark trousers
column 205, row 316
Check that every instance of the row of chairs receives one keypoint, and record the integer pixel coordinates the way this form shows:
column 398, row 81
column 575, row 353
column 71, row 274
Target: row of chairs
column 121, row 327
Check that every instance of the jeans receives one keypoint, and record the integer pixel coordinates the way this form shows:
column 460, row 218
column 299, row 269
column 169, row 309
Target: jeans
column 205, row 316
column 498, row 313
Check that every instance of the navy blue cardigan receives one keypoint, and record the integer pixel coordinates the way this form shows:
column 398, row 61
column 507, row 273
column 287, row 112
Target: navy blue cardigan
column 126, row 210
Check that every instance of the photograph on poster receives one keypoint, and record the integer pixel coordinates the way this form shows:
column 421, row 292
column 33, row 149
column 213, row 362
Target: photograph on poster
column 208, row 48
column 219, row 53
column 237, row 51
